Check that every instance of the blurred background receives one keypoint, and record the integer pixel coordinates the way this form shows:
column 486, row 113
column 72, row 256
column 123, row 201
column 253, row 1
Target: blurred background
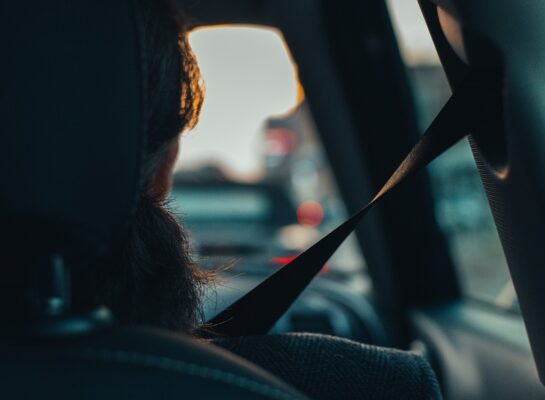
column 253, row 184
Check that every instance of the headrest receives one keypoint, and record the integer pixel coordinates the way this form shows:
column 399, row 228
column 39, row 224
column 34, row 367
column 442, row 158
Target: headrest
column 70, row 123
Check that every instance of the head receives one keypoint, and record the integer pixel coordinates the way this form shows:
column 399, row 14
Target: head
column 151, row 279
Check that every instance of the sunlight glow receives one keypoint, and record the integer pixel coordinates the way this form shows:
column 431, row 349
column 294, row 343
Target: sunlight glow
column 249, row 76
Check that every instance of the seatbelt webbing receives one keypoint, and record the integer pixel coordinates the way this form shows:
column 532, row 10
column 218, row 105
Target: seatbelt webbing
column 256, row 312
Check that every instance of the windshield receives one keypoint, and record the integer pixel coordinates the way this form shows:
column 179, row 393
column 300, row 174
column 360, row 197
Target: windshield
column 253, row 183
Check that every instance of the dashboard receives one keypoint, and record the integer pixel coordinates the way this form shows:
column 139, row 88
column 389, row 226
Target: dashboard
column 327, row 306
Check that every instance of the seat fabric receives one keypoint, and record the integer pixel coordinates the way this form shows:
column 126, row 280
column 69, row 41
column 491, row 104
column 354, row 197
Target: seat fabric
column 326, row 367
column 131, row 363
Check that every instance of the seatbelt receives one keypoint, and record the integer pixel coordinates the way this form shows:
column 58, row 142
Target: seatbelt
column 256, row 312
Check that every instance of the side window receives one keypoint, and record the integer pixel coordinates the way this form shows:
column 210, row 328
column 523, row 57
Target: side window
column 461, row 207
column 253, row 184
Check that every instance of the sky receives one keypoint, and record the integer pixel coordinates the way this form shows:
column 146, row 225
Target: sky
column 249, row 76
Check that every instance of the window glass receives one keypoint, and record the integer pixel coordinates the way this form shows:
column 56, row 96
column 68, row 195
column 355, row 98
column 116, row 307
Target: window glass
column 252, row 184
column 211, row 206
column 461, row 207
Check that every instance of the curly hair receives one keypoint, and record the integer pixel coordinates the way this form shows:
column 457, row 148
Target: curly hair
column 152, row 279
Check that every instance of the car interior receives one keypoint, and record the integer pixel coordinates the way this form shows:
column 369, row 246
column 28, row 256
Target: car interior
column 366, row 180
